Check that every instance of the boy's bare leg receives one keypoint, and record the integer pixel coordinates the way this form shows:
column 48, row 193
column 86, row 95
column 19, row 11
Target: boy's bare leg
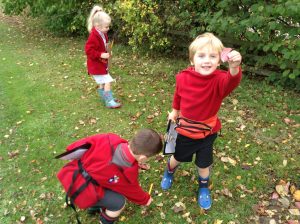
column 114, row 214
column 203, row 172
column 173, row 163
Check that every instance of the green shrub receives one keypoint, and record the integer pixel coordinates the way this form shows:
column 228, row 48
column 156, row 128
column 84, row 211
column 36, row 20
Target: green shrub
column 267, row 35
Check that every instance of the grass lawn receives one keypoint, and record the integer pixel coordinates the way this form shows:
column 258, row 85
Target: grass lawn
column 47, row 101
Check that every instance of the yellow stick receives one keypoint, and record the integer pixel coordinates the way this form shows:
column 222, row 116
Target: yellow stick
column 150, row 189
column 112, row 44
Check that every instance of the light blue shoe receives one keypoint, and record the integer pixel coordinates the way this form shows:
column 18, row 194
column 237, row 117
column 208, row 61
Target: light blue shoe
column 109, row 100
column 115, row 99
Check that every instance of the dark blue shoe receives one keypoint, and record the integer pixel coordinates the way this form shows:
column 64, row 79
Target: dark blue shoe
column 167, row 180
column 204, row 198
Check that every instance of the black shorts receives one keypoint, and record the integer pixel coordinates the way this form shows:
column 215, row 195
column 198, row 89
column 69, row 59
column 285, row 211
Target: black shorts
column 203, row 148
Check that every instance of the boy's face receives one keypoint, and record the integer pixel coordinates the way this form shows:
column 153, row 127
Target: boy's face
column 206, row 60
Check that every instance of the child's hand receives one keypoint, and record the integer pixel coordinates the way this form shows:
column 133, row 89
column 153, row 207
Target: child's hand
column 234, row 59
column 173, row 115
column 149, row 201
column 105, row 55
column 144, row 166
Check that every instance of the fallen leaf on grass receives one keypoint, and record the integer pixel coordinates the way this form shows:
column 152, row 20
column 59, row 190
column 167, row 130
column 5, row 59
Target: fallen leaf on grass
column 185, row 215
column 243, row 188
column 293, row 189
column 226, row 192
column 228, row 160
column 296, row 195
column 178, row 207
column 123, row 218
column 22, row 219
column 218, row 221
column 259, row 209
column 293, row 222
column 185, row 173
column 160, row 204
column 294, row 211
column 281, row 190
column 162, row 215
column 275, row 196
column 246, row 166
column 235, row 101
column 13, row 154
column 93, row 121
column 271, row 212
column 285, row 202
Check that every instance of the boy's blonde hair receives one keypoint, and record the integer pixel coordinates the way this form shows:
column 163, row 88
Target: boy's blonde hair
column 206, row 39
column 146, row 142
column 97, row 16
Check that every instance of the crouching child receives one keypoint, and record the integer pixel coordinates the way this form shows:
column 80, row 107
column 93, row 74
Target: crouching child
column 106, row 174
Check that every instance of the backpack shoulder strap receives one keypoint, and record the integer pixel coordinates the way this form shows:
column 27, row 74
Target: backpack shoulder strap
column 88, row 179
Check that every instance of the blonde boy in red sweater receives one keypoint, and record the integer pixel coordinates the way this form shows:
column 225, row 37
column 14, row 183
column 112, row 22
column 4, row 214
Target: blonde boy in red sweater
column 200, row 90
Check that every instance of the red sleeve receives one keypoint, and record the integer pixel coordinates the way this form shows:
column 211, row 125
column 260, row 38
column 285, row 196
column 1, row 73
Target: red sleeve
column 91, row 47
column 135, row 193
column 229, row 82
column 176, row 97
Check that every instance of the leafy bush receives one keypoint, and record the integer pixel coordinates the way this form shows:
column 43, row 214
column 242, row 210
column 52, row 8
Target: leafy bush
column 266, row 34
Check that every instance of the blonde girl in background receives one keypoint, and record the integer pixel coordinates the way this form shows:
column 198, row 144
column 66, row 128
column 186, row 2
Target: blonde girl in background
column 96, row 49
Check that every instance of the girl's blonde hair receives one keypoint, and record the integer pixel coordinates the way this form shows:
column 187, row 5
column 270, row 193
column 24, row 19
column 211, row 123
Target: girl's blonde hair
column 97, row 16
column 206, row 39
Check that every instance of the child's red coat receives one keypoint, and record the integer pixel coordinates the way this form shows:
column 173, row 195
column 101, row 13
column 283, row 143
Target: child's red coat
column 94, row 47
column 97, row 162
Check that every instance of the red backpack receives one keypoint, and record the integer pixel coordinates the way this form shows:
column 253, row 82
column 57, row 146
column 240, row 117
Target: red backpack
column 81, row 178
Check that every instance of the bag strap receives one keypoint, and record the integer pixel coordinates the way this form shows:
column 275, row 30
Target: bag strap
column 71, row 203
column 188, row 127
column 87, row 178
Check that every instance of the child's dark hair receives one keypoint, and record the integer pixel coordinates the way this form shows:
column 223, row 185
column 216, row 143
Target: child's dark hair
column 146, row 142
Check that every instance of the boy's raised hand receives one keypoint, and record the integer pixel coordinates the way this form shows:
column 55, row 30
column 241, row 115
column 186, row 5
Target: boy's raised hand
column 234, row 59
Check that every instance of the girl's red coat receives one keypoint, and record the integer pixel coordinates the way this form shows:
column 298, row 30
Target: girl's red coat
column 94, row 47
